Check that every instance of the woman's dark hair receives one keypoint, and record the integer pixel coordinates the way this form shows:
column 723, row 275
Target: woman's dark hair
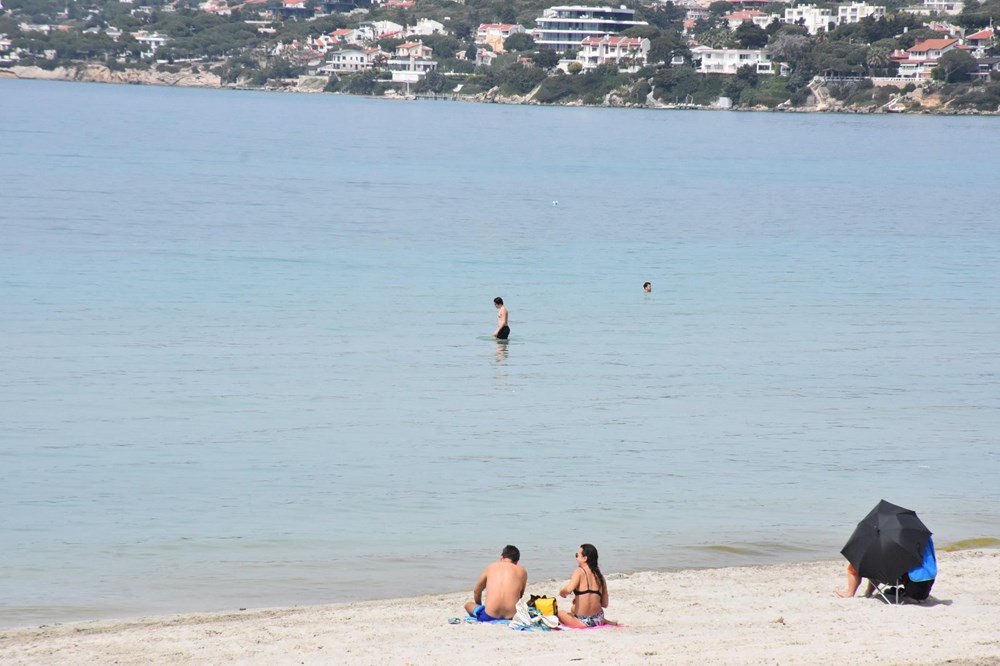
column 589, row 551
column 497, row 301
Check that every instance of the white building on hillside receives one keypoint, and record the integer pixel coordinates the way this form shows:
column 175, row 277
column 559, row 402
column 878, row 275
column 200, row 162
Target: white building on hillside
column 411, row 62
column 629, row 53
column 495, row 34
column 373, row 30
column 856, row 11
column 755, row 16
column 980, row 41
column 727, row 61
column 353, row 60
column 950, row 7
column 501, row 30
column 919, row 61
column 812, row 18
column 426, row 26
column 151, row 40
column 6, row 56
column 564, row 27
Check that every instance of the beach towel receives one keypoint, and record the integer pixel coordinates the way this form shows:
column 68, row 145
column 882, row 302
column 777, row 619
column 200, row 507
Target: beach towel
column 468, row 619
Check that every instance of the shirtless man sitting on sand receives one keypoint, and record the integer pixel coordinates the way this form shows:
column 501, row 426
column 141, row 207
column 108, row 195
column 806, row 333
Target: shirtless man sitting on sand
column 504, row 582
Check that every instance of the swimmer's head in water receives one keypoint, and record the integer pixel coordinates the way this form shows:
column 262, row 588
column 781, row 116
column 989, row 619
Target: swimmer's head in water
column 498, row 301
column 647, row 286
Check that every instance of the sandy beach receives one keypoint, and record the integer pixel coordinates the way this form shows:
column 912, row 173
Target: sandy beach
column 776, row 614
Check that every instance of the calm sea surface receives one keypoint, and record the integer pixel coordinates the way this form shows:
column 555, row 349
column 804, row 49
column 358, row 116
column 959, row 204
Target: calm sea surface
column 246, row 356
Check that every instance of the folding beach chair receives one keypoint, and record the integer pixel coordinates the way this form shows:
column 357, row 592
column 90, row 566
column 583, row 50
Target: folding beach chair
column 903, row 591
column 891, row 594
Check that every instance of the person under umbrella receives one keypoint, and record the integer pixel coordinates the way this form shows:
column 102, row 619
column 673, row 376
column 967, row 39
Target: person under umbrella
column 917, row 582
column 890, row 545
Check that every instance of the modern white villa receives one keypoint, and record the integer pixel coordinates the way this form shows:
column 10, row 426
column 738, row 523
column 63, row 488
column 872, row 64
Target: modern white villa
column 812, row 18
column 411, row 62
column 151, row 40
column 919, row 61
column 495, row 34
column 856, row 11
column 629, row 53
column 562, row 28
column 727, row 61
column 352, row 60
column 950, row 7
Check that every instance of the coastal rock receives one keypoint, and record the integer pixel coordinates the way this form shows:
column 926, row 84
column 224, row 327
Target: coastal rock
column 97, row 73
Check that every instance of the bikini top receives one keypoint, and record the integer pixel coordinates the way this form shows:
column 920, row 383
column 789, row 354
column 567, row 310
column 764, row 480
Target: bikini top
column 588, row 590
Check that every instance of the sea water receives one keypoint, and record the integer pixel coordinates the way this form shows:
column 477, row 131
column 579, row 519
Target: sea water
column 247, row 357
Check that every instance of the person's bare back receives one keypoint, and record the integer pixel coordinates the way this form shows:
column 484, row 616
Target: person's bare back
column 503, row 582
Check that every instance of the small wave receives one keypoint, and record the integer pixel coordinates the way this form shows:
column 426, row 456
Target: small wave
column 969, row 544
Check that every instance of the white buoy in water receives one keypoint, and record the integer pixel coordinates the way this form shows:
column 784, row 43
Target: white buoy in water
column 555, row 203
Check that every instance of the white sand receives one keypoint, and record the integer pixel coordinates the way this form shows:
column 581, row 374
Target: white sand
column 781, row 614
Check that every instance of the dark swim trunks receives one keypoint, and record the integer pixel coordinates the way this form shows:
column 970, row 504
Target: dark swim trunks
column 481, row 615
column 503, row 333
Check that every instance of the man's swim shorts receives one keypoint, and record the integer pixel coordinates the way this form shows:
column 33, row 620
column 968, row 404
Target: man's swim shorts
column 503, row 333
column 480, row 614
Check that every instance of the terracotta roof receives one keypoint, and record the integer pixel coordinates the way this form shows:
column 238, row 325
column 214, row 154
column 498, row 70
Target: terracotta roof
column 931, row 45
column 744, row 15
column 982, row 34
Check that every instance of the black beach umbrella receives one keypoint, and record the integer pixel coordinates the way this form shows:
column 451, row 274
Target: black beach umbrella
column 887, row 543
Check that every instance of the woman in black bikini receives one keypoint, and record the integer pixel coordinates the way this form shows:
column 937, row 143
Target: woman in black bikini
column 590, row 592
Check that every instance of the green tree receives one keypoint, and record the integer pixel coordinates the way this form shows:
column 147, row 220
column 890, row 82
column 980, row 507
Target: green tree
column 389, row 44
column 545, row 58
column 574, row 67
column 519, row 79
column 642, row 32
column 362, row 83
column 519, row 41
column 975, row 15
column 720, row 7
column 954, row 66
column 508, row 15
column 718, row 38
column 444, row 46
column 670, row 43
column 746, row 78
column 750, row 36
column 878, row 60
column 434, row 82
column 462, row 30
column 791, row 49
column 676, row 84
column 663, row 16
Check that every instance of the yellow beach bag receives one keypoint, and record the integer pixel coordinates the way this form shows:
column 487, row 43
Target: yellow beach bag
column 546, row 606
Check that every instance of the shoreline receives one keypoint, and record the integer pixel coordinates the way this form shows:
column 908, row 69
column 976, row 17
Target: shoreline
column 776, row 613
column 98, row 73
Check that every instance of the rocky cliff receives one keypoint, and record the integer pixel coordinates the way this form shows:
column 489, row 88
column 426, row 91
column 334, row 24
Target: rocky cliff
column 102, row 74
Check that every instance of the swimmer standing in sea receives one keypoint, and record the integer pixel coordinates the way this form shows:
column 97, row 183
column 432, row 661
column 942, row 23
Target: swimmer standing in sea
column 503, row 330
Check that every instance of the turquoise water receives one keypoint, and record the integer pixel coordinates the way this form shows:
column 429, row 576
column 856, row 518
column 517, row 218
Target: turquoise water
column 247, row 359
